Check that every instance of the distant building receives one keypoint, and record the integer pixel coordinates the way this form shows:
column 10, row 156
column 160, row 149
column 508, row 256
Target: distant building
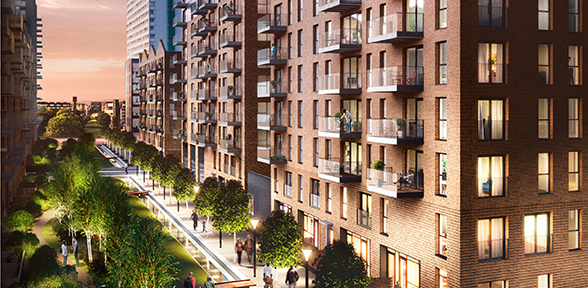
column 57, row 105
column 95, row 107
column 132, row 95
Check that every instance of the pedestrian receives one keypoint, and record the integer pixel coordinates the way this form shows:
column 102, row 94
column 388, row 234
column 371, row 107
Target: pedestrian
column 571, row 69
column 126, row 169
column 349, row 119
column 64, row 252
column 249, row 248
column 194, row 218
column 190, row 281
column 239, row 248
column 75, row 245
column 269, row 282
column 204, row 227
column 268, row 271
column 208, row 283
column 292, row 277
column 273, row 51
column 397, row 285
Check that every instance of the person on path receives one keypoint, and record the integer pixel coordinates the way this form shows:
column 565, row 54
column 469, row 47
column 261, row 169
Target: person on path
column 268, row 271
column 75, row 245
column 204, row 227
column 64, row 252
column 249, row 249
column 239, row 248
column 292, row 277
column 194, row 218
column 397, row 285
column 190, row 281
column 208, row 283
column 126, row 169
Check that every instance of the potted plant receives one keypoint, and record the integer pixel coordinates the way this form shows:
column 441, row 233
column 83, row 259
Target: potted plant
column 179, row 132
column 400, row 122
column 230, row 87
column 274, row 84
column 207, row 113
column 159, row 65
column 206, row 21
column 378, row 165
column 279, row 157
column 444, row 170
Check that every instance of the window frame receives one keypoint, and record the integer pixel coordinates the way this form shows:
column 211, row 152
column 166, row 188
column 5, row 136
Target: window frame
column 300, row 85
column 442, row 14
column 442, row 235
column 442, row 191
column 489, row 63
column 574, row 15
column 384, row 213
column 504, row 240
column 548, row 173
column 502, row 20
column 491, row 121
column 504, row 177
column 442, row 62
column 442, row 122
column 300, row 154
column 546, row 121
column 574, row 170
column 576, row 230
column 548, row 65
column 548, row 236
column 574, row 119
column 315, row 190
column 540, row 12
column 344, row 202
column 300, row 42
column 316, row 152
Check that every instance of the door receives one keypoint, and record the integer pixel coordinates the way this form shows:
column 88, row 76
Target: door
column 414, row 15
column 414, row 66
column 414, row 117
column 200, row 164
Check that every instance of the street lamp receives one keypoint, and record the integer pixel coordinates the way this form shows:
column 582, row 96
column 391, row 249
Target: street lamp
column 254, row 223
column 306, row 253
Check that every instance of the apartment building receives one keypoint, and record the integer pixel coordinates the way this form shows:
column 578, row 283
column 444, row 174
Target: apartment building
column 133, row 95
column 56, row 105
column 161, row 79
column 21, row 43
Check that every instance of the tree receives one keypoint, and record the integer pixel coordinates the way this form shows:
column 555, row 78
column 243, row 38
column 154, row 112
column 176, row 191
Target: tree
column 280, row 242
column 341, row 267
column 103, row 119
column 231, row 208
column 47, row 114
column 207, row 195
column 183, row 185
column 64, row 124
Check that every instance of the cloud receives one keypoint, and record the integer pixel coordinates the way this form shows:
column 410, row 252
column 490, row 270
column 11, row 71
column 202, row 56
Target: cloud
column 79, row 65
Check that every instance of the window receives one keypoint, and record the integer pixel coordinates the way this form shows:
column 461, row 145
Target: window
column 299, row 78
column 573, row 229
column 299, row 43
column 490, row 63
column 491, row 13
column 288, row 185
column 442, row 14
column 315, row 37
column 442, row 278
column 414, row 167
column 573, row 118
column 315, row 111
column 300, row 189
column 442, row 62
column 544, row 167
column 315, row 199
column 290, row 10
column 329, row 198
column 351, row 73
column 544, row 118
column 311, row 230
column 573, row 65
column 544, row 69
column 442, row 174
column 494, row 284
column 574, row 16
column 290, row 79
column 300, row 10
column 384, row 212
column 491, row 180
column 536, row 233
column 316, row 152
column 300, row 117
column 442, row 119
column 573, row 171
column 344, row 203
column 491, row 243
column 491, row 120
column 290, row 46
column 300, row 149
column 544, row 14
column 290, row 148
column 442, row 233
column 315, row 71
column 364, row 215
column 544, row 281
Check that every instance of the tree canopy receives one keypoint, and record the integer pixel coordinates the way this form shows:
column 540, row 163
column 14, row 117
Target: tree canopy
column 231, row 208
column 103, row 119
column 64, row 124
column 207, row 195
column 341, row 267
column 281, row 240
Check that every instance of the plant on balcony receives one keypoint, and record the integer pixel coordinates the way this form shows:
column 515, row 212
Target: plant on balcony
column 400, row 122
column 338, row 117
column 230, row 87
column 274, row 85
column 444, row 170
column 379, row 166
column 197, row 133
column 279, row 157
column 207, row 113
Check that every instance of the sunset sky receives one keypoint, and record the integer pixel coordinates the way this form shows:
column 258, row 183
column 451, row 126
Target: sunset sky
column 84, row 44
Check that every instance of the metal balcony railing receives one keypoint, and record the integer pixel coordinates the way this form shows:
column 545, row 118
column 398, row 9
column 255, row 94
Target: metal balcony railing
column 270, row 154
column 229, row 117
column 270, row 20
column 339, row 36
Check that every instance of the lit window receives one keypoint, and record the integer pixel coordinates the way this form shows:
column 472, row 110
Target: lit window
column 442, row 235
column 544, row 281
column 536, row 233
column 491, row 180
column 491, row 242
column 490, row 63
column 573, row 171
column 543, row 164
column 573, row 229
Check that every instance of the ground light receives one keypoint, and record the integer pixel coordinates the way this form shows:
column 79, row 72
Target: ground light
column 254, row 224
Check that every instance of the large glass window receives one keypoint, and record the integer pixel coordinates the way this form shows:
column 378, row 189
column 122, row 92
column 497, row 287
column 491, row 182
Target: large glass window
column 491, row 120
column 311, row 230
column 414, row 168
column 544, row 69
column 544, row 167
column 544, row 118
column 351, row 73
column 573, row 65
column 384, row 212
column 491, row 13
column 315, row 200
column 442, row 278
column 574, row 16
column 442, row 249
column 300, row 43
column 364, row 213
column 544, row 14
column 536, row 233
column 443, row 118
column 442, row 14
column 491, row 179
column 351, row 29
column 414, row 64
column 344, row 203
column 494, row 284
column 573, row 118
column 361, row 245
column 414, row 15
column 490, row 63
column 443, row 174
column 573, row 171
column 491, row 243
column 442, row 62
column 574, row 229
column 545, row 281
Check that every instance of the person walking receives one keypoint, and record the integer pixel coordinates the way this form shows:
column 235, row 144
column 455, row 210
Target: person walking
column 75, row 245
column 397, row 285
column 268, row 271
column 208, row 283
column 204, row 227
column 194, row 218
column 249, row 249
column 64, row 252
column 126, row 169
column 292, row 277
column 239, row 248
column 190, row 281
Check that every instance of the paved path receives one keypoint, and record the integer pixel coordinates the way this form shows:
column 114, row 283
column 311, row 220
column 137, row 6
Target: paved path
column 38, row 228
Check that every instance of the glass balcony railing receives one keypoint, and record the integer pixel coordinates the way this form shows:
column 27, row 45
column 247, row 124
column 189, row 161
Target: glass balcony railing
column 270, row 155
column 231, row 11
column 225, row 93
column 339, row 83
column 227, row 38
column 230, row 145
column 396, row 27
column 335, row 170
column 269, row 56
column 388, row 129
column 225, row 117
column 391, row 183
column 271, row 120
column 338, row 125
column 287, row 190
column 385, row 78
column 266, row 89
column 180, row 134
column 271, row 23
column 342, row 36
column 230, row 66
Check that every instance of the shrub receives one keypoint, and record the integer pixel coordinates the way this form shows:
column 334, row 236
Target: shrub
column 33, row 208
column 15, row 256
column 13, row 239
column 43, row 270
column 21, row 220
column 40, row 199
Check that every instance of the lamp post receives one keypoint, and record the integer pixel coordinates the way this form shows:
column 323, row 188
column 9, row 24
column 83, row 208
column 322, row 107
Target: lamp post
column 306, row 253
column 254, row 223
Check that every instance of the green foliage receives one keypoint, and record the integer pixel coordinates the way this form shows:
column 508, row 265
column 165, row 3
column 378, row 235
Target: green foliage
column 231, row 208
column 20, row 220
column 206, row 196
column 281, row 240
column 166, row 169
column 341, row 267
column 378, row 164
column 401, row 122
column 184, row 186
column 43, row 270
column 47, row 114
column 103, row 119
column 64, row 124
column 88, row 140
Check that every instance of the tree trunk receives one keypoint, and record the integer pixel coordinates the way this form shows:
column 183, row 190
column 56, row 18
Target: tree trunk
column 153, row 185
column 187, row 211
column 220, row 239
column 178, row 205
column 163, row 193
column 143, row 175
column 89, row 241
column 235, row 243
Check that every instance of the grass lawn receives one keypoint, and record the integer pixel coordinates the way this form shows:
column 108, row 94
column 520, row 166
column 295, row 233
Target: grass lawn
column 101, row 160
column 93, row 127
column 92, row 124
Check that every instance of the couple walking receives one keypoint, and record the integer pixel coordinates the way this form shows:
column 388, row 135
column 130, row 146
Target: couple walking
column 64, row 250
column 247, row 247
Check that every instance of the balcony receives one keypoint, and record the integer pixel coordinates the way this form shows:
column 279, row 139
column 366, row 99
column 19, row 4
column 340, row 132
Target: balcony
column 270, row 155
column 315, row 201
column 204, row 117
column 176, row 80
column 178, row 59
column 332, row 84
column 266, row 89
column 178, row 115
column 334, row 127
column 229, row 119
column 340, row 172
column 205, row 50
column 178, row 41
column 267, row 57
column 206, row 72
column 179, row 134
column 230, row 67
column 396, row 79
column 340, row 40
column 271, row 23
column 201, row 7
column 203, row 140
column 235, row 93
column 337, row 5
column 178, row 96
column 272, row 122
column 230, row 146
column 179, row 4
column 287, row 190
column 396, row 27
column 179, row 21
column 231, row 12
column 364, row 218
column 205, row 26
column 386, row 131
column 385, row 182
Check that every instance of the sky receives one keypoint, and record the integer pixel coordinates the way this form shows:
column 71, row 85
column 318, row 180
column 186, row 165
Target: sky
column 84, row 49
